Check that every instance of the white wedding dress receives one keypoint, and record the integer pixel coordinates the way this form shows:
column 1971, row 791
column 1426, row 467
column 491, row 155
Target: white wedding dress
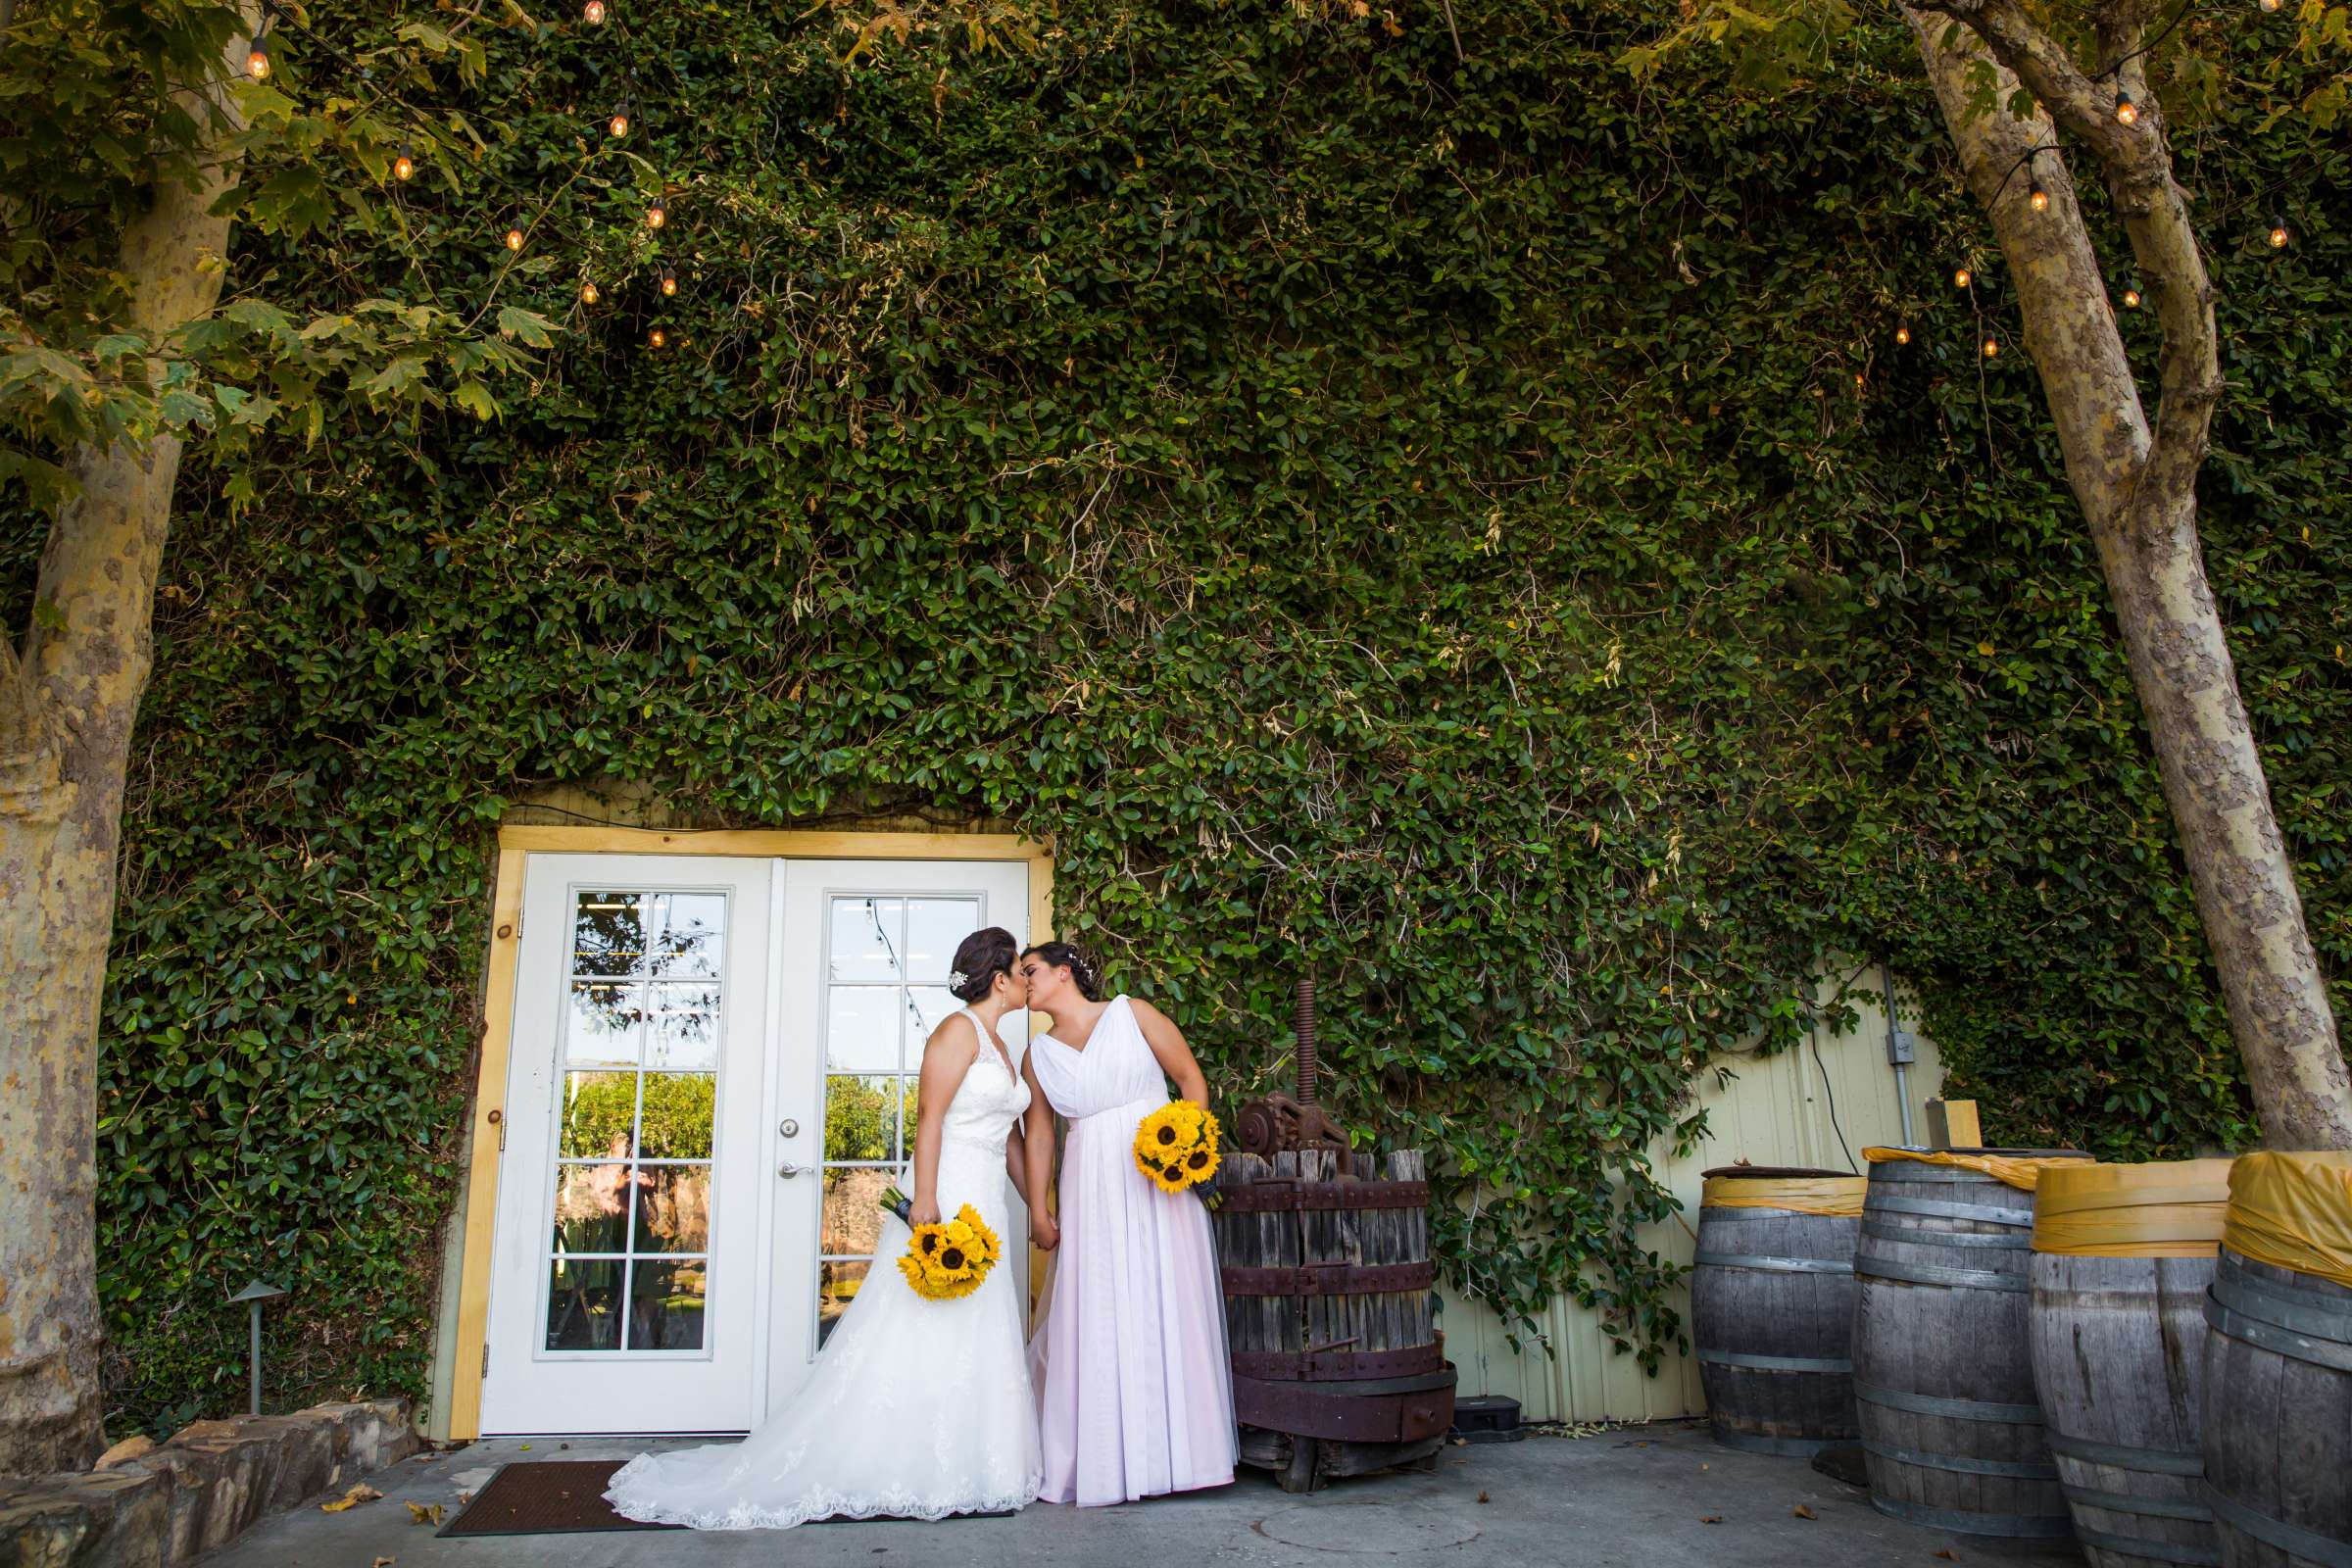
column 916, row 1409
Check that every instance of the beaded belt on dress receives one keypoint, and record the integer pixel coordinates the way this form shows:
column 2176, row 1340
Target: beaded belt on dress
column 1147, row 1105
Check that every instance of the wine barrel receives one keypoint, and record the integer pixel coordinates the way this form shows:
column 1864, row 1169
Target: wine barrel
column 1772, row 1305
column 1337, row 1367
column 2279, row 1365
column 1951, row 1431
column 2122, row 1259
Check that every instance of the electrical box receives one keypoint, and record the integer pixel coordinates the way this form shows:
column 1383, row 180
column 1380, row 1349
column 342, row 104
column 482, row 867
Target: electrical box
column 1902, row 1047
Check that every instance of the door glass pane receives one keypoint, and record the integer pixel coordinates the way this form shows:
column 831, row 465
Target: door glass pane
column 583, row 1303
column 852, row 1221
column 673, row 1210
column 598, row 1112
column 862, row 1028
column 861, row 1120
column 605, row 1022
column 592, row 1209
column 935, row 929
column 868, row 936
column 837, row 1283
column 682, row 1025
column 665, row 1304
column 676, row 1120
column 693, row 930
column 607, row 934
column 628, row 1246
column 927, row 1007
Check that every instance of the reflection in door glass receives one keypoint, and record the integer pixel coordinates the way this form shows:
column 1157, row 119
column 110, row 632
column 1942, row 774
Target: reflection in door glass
column 628, row 1246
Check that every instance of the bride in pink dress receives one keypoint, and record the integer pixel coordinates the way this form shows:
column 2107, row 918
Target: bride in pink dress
column 1135, row 1394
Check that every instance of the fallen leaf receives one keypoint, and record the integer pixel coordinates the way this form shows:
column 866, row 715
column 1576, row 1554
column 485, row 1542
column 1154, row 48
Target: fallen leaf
column 381, row 1562
column 419, row 1514
column 1802, row 1511
column 359, row 1493
column 1710, row 1518
column 1948, row 1554
column 464, row 1497
column 1482, row 1498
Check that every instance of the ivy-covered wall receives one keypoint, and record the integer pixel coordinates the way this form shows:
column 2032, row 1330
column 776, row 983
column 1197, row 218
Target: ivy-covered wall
column 1467, row 525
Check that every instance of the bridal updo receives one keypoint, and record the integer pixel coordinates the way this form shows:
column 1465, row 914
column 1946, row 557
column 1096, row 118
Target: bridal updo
column 1062, row 956
column 979, row 958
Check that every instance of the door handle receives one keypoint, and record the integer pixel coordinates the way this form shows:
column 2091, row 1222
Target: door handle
column 788, row 1170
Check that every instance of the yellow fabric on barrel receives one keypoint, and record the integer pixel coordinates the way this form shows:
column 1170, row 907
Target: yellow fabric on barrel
column 2293, row 1211
column 2168, row 1209
column 1801, row 1195
column 2020, row 1172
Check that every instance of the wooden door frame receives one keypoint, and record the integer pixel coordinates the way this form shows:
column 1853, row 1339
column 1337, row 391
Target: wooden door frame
column 516, row 844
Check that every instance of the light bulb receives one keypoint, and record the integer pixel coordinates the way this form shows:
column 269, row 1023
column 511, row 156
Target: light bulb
column 2278, row 234
column 257, row 64
column 2040, row 198
column 669, row 282
column 657, row 338
column 1857, row 378
column 656, row 216
column 619, row 125
column 1991, row 347
column 1903, row 337
column 2131, row 298
column 588, row 294
column 405, row 165
column 1960, row 278
column 2125, row 109
column 593, row 11
column 2270, row 5
column 513, row 236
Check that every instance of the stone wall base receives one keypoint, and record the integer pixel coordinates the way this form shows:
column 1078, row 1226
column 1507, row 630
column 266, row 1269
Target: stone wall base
column 213, row 1480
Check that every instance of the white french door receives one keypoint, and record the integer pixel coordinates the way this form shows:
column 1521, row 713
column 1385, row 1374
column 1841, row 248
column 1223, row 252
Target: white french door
column 867, row 947
column 711, row 1078
column 624, row 1294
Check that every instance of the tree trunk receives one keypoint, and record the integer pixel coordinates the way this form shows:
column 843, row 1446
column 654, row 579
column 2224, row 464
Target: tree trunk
column 2138, row 492
column 68, row 700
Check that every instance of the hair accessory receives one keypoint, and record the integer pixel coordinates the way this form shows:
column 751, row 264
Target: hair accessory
column 956, row 977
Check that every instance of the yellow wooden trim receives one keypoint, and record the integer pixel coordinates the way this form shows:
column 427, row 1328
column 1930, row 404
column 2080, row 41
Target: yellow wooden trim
column 788, row 844
column 518, row 842
column 481, row 1179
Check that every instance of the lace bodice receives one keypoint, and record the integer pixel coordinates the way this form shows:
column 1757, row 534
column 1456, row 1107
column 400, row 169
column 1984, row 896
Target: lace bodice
column 989, row 1100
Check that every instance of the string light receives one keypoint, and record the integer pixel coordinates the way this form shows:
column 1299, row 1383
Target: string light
column 257, row 63
column 1859, row 378
column 514, row 235
column 2131, row 298
column 657, row 338
column 1992, row 347
column 588, row 294
column 2270, row 5
column 2278, row 234
column 657, row 214
column 670, row 280
column 405, row 165
column 619, row 124
column 1961, row 278
column 1903, row 337
column 2039, row 197
column 2125, row 109
column 594, row 13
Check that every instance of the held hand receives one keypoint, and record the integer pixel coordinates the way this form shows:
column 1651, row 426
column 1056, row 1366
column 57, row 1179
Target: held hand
column 924, row 1211
column 1044, row 1232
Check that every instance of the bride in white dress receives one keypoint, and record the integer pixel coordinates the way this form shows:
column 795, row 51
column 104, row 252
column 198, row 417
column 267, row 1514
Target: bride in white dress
column 916, row 1409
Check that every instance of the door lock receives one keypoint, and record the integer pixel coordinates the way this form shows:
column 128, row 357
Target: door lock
column 789, row 1128
column 788, row 1170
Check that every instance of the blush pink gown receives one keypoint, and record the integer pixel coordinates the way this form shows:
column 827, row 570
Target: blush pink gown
column 1135, row 1394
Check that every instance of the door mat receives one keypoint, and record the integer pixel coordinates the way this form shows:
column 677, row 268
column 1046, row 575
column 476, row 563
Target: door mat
column 547, row 1497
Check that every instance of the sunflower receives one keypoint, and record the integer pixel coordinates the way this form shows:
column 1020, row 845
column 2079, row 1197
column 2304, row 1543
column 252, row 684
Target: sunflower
column 1176, row 1146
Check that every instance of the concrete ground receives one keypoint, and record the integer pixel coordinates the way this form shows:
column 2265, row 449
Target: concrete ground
column 1655, row 1496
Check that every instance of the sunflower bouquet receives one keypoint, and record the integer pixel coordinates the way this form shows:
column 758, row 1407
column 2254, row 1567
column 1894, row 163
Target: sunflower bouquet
column 947, row 1259
column 1176, row 1147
